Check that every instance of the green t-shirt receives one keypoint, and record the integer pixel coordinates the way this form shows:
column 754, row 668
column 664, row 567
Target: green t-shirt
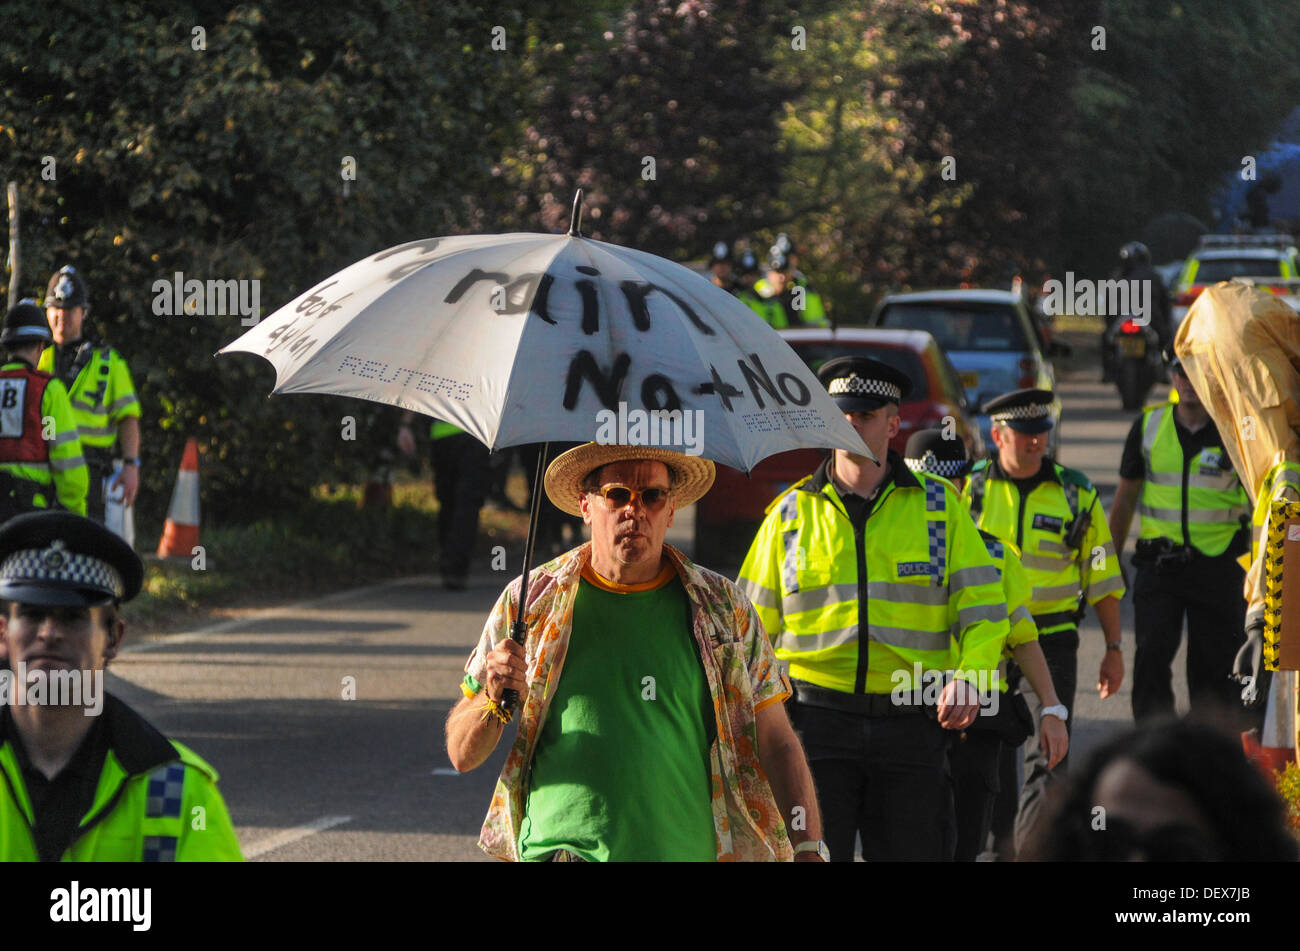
column 621, row 770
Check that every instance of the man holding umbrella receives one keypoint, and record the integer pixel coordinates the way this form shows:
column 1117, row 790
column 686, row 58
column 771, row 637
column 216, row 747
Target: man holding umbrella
column 652, row 724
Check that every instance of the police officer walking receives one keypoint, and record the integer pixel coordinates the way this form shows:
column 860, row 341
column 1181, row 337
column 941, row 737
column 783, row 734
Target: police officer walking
column 977, row 753
column 41, row 464
column 872, row 583
column 789, row 293
column 99, row 386
column 1052, row 515
column 1195, row 523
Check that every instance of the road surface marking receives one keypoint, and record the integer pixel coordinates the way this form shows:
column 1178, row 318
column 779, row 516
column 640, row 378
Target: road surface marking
column 280, row 839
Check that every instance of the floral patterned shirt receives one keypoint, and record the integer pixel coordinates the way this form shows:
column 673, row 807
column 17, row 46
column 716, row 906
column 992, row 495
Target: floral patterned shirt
column 743, row 677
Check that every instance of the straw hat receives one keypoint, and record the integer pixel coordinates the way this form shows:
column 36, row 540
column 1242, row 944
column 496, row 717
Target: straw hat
column 564, row 476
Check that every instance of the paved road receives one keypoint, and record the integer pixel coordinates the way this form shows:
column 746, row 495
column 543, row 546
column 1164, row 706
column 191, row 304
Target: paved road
column 312, row 776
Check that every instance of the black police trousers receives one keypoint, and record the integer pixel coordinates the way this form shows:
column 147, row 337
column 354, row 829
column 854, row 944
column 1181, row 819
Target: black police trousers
column 460, row 479
column 1208, row 592
column 883, row 777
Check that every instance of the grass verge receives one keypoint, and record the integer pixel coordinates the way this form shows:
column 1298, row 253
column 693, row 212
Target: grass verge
column 329, row 544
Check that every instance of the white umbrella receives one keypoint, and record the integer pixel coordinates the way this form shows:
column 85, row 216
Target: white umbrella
column 524, row 338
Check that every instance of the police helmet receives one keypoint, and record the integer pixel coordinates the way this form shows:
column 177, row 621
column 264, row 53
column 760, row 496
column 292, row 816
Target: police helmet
column 1135, row 252
column 25, row 323
column 67, row 288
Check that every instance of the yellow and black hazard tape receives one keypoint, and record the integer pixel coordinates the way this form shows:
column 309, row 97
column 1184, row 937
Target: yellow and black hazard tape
column 1274, row 544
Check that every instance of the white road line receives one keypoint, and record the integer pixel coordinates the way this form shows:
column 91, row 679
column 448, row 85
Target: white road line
column 281, row 839
column 224, row 627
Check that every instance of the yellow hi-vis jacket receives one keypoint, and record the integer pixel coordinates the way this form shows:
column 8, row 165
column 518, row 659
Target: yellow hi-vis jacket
column 855, row 608
column 55, row 467
column 102, row 395
column 1196, row 502
column 1017, row 590
column 156, row 801
column 1038, row 524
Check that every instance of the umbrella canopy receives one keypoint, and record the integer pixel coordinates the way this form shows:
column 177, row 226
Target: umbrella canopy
column 524, row 338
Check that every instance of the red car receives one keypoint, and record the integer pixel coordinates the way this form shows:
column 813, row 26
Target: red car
column 727, row 518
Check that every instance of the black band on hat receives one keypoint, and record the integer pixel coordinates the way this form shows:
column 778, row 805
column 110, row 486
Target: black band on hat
column 948, row 468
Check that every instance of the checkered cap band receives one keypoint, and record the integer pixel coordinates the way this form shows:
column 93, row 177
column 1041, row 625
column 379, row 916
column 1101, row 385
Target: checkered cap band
column 1030, row 411
column 948, row 468
column 57, row 564
column 854, row 385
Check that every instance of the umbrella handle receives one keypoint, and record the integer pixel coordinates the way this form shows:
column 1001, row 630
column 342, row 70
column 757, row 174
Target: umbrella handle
column 519, row 630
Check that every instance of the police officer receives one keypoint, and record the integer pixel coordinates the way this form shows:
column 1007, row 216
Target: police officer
column 40, row 455
column 86, row 778
column 461, row 473
column 720, row 267
column 1052, row 515
column 977, row 752
column 799, row 304
column 1195, row 518
column 872, row 583
column 746, row 277
column 99, row 386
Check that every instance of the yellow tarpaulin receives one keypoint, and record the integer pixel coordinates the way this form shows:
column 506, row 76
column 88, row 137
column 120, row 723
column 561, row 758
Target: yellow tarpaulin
column 1240, row 347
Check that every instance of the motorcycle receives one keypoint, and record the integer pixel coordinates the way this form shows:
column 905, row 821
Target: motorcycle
column 1133, row 350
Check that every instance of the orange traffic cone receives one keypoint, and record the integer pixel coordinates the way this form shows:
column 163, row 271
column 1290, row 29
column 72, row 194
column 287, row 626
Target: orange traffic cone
column 181, row 533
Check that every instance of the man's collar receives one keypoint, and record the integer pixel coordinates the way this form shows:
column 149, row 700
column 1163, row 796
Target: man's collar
column 899, row 474
column 1046, row 471
column 138, row 746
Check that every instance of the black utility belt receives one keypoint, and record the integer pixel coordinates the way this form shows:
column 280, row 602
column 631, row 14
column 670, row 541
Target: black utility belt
column 858, row 704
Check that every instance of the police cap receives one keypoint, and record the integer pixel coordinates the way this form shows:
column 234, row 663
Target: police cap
column 778, row 260
column 59, row 559
column 67, row 288
column 721, row 253
column 861, row 384
column 1025, row 411
column 929, row 451
column 25, row 323
column 747, row 262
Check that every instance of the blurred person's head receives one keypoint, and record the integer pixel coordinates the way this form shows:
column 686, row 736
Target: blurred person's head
column 1174, row 790
column 939, row 452
column 66, row 304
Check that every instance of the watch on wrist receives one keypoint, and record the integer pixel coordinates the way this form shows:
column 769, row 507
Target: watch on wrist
column 1059, row 711
column 814, row 845
column 132, row 461
column 1114, row 646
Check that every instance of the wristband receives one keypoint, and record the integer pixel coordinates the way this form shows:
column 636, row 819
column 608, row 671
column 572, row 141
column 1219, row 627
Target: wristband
column 1115, row 646
column 132, row 461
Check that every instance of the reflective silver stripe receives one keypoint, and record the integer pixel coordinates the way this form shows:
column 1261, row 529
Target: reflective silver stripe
column 1113, row 583
column 68, row 464
column 911, row 640
column 1020, row 614
column 1164, row 515
column 1149, row 431
column 62, row 439
column 981, row 612
column 1044, row 562
column 811, row 599
column 901, row 592
column 1214, row 483
column 1056, row 548
column 1172, row 479
column 1057, row 592
column 91, row 432
column 820, row 641
column 973, row 576
column 759, row 595
column 122, row 401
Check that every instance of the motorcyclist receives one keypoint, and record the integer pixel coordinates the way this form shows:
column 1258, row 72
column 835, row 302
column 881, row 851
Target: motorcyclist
column 1135, row 265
